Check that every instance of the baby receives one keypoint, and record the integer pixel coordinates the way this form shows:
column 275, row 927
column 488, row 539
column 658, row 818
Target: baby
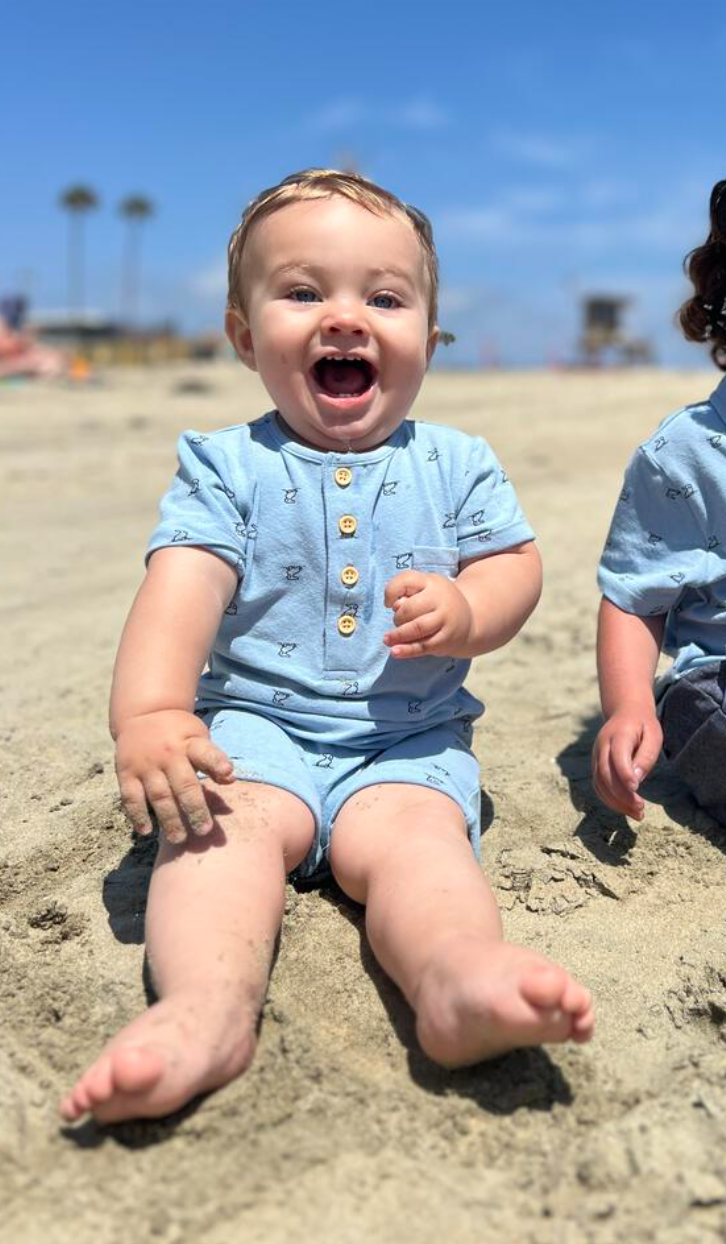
column 337, row 566
column 663, row 579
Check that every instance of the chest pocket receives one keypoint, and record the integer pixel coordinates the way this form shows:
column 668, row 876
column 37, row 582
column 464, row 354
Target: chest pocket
column 443, row 561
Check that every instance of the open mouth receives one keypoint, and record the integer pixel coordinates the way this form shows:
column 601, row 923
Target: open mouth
column 344, row 377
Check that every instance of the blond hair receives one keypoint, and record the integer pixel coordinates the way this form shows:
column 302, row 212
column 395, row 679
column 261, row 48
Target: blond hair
column 320, row 183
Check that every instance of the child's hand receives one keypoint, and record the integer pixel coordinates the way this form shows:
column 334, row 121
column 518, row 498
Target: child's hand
column 431, row 616
column 157, row 755
column 625, row 751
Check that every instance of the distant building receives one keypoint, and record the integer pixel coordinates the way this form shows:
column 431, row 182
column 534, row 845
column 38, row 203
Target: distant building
column 604, row 339
column 106, row 341
column 73, row 330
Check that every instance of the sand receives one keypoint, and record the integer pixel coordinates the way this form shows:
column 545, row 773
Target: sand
column 343, row 1132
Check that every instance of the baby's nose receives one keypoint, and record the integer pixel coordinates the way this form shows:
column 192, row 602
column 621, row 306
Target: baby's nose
column 344, row 318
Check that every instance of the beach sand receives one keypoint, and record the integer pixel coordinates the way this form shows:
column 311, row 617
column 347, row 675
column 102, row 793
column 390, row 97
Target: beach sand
column 342, row 1132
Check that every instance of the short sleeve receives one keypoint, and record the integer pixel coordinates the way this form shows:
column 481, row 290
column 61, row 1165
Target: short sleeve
column 489, row 516
column 203, row 506
column 655, row 547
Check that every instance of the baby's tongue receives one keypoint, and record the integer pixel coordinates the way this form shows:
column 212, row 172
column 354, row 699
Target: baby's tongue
column 342, row 378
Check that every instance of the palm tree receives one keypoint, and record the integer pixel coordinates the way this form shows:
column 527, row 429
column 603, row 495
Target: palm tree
column 77, row 200
column 135, row 209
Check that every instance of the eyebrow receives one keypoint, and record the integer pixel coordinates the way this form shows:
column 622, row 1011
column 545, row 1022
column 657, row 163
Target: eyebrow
column 391, row 270
column 301, row 266
column 292, row 267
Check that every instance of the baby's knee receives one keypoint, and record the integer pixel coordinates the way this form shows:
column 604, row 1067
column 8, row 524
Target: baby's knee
column 255, row 810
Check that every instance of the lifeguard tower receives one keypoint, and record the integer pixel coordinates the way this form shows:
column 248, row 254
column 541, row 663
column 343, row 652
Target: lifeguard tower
column 604, row 338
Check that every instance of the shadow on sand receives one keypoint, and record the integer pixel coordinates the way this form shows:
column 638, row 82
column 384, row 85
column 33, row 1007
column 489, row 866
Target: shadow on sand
column 523, row 1079
column 608, row 835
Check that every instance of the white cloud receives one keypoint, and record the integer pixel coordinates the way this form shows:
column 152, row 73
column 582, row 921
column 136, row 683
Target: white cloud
column 489, row 224
column 539, row 199
column 606, row 192
column 542, row 150
column 417, row 113
column 590, row 217
column 337, row 115
column 421, row 114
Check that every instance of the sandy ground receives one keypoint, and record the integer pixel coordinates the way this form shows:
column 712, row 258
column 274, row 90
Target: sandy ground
column 342, row 1131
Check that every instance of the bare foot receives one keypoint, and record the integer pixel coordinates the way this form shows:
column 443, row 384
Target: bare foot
column 478, row 999
column 182, row 1046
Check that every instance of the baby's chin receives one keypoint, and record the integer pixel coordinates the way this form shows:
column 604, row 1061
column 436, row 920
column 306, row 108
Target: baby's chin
column 337, row 435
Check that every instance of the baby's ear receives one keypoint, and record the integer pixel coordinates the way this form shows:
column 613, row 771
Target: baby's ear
column 240, row 337
column 432, row 343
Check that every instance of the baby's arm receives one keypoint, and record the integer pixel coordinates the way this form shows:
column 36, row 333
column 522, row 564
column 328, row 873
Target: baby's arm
column 479, row 611
column 165, row 644
column 629, row 743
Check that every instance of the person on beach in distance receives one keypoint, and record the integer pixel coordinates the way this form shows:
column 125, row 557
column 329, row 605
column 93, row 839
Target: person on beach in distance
column 338, row 566
column 663, row 578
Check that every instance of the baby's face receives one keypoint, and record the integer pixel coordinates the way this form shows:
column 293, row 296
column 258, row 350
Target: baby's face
column 336, row 320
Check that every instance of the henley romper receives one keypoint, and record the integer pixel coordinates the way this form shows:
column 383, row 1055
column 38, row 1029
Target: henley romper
column 666, row 555
column 300, row 690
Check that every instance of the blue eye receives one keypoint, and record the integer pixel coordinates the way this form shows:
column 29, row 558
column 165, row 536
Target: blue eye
column 385, row 302
column 303, row 295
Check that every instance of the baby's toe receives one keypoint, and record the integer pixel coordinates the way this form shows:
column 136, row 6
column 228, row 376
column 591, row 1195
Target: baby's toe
column 583, row 1025
column 81, row 1098
column 98, row 1082
column 576, row 999
column 71, row 1108
column 544, row 987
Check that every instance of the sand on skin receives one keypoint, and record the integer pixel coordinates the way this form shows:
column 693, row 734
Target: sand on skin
column 343, row 1132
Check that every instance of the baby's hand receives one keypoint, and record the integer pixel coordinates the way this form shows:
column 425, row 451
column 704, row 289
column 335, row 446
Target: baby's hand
column 157, row 756
column 625, row 751
column 431, row 616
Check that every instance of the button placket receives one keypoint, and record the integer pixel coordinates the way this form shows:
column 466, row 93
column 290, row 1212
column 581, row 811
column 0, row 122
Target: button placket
column 348, row 577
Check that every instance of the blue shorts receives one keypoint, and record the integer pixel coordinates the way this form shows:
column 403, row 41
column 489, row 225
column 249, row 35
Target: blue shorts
column 693, row 716
column 325, row 776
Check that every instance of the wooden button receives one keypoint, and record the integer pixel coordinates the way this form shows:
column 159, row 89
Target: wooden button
column 349, row 575
column 343, row 476
column 346, row 624
column 347, row 524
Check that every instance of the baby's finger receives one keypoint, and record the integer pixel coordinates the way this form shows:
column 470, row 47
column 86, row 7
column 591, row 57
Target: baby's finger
column 210, row 759
column 187, row 791
column 611, row 789
column 622, row 749
column 159, row 795
column 407, row 608
column 615, row 794
column 416, row 631
column 404, row 652
column 648, row 752
column 407, row 583
column 134, row 804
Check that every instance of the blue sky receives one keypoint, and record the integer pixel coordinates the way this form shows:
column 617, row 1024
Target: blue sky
column 559, row 148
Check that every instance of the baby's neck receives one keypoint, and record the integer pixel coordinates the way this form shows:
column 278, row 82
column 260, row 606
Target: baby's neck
column 325, row 449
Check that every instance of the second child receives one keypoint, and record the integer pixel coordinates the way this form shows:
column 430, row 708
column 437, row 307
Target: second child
column 663, row 578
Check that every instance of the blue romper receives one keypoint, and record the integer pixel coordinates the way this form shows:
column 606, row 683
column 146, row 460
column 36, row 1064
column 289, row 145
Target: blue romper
column 300, row 690
column 666, row 556
column 666, row 549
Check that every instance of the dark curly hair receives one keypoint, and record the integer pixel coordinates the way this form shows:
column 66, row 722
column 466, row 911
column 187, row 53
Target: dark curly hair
column 703, row 317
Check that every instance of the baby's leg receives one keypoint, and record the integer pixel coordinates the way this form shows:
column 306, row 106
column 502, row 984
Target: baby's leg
column 693, row 716
column 215, row 907
column 433, row 924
